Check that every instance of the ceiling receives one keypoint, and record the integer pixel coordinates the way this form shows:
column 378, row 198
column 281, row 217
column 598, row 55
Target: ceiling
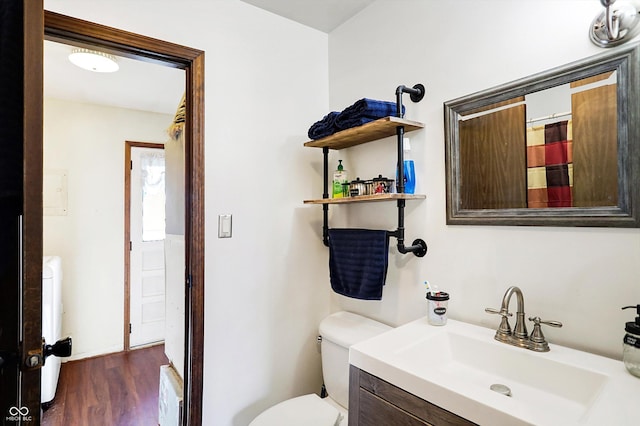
column 323, row 15
column 149, row 87
column 136, row 85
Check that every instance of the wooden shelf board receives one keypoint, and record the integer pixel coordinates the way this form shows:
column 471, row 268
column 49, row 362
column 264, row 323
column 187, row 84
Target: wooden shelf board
column 366, row 198
column 378, row 129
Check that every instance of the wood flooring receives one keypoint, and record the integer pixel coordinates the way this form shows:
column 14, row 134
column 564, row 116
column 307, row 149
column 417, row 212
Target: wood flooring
column 113, row 390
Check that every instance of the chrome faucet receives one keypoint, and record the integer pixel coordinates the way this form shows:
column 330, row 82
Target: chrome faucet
column 519, row 337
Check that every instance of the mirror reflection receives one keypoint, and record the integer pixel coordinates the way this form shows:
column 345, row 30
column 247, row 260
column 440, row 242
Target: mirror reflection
column 552, row 148
column 556, row 148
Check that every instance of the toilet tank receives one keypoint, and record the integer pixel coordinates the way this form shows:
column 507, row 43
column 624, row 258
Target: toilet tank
column 339, row 331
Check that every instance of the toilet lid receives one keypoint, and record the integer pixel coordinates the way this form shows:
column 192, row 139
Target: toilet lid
column 307, row 410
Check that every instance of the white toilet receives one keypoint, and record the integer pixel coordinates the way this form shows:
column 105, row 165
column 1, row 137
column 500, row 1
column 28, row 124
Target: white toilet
column 338, row 331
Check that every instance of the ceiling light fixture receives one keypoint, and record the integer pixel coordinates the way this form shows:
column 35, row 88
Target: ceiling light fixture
column 93, row 60
column 615, row 24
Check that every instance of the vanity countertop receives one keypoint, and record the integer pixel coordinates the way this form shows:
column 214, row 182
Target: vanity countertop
column 453, row 366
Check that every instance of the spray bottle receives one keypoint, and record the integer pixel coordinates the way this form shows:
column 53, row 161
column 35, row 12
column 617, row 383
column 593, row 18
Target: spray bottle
column 408, row 168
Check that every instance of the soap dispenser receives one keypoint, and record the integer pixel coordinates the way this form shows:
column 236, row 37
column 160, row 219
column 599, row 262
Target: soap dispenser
column 340, row 177
column 631, row 344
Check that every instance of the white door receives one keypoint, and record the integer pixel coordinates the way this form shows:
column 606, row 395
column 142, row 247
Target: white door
column 147, row 276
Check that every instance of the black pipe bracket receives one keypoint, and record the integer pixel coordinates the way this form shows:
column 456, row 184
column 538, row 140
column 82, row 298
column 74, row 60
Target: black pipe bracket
column 419, row 247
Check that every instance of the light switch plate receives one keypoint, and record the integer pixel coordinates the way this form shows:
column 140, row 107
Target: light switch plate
column 224, row 226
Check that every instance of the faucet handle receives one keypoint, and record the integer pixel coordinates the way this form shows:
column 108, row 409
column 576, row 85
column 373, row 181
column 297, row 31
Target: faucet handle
column 537, row 339
column 498, row 312
column 504, row 330
column 538, row 321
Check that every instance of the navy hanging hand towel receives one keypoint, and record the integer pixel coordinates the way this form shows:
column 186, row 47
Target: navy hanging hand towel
column 358, row 262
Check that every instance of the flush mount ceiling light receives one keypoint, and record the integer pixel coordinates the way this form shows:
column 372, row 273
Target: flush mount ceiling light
column 616, row 24
column 93, row 60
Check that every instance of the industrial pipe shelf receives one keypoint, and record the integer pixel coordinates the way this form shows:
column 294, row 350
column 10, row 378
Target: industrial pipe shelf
column 366, row 198
column 378, row 129
column 374, row 130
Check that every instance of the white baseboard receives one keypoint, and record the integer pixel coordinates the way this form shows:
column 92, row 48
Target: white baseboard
column 93, row 354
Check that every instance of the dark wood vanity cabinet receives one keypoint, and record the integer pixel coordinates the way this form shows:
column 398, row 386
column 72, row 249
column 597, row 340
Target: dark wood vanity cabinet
column 374, row 402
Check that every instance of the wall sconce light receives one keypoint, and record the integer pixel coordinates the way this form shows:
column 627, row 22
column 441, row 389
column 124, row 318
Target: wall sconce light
column 616, row 24
column 93, row 60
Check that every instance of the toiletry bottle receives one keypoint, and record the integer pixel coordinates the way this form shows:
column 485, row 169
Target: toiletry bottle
column 631, row 344
column 409, row 169
column 339, row 178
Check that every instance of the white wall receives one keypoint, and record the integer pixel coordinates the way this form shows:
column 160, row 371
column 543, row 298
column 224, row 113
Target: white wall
column 581, row 277
column 267, row 287
column 267, row 80
column 88, row 142
column 174, row 252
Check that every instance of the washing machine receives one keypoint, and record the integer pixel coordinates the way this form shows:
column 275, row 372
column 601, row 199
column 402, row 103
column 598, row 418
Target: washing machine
column 51, row 322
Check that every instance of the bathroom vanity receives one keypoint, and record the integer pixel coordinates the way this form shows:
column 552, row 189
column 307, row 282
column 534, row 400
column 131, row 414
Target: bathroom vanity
column 456, row 374
column 373, row 401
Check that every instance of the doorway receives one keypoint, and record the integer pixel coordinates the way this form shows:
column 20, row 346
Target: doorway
column 82, row 33
column 144, row 221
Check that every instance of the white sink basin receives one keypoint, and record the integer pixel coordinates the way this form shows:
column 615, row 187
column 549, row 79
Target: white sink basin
column 455, row 365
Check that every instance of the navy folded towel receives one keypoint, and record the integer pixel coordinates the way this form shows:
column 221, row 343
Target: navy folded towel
column 358, row 262
column 324, row 127
column 349, row 122
column 363, row 111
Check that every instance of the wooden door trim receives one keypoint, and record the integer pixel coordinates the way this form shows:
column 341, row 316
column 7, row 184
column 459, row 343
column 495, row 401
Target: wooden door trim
column 32, row 244
column 78, row 32
column 127, row 233
column 83, row 33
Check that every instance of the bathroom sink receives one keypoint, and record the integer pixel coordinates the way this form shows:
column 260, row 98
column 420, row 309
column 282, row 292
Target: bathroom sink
column 468, row 361
column 455, row 366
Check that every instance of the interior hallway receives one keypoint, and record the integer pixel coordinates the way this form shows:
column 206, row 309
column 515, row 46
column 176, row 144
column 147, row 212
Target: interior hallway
column 116, row 389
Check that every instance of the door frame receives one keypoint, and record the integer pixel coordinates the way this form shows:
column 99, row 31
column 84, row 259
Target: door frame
column 127, row 233
column 32, row 212
column 65, row 29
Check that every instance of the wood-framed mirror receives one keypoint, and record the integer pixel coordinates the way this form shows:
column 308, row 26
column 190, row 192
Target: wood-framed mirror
column 558, row 148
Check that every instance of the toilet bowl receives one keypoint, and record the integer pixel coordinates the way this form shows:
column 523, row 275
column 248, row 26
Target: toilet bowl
column 307, row 410
column 338, row 332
